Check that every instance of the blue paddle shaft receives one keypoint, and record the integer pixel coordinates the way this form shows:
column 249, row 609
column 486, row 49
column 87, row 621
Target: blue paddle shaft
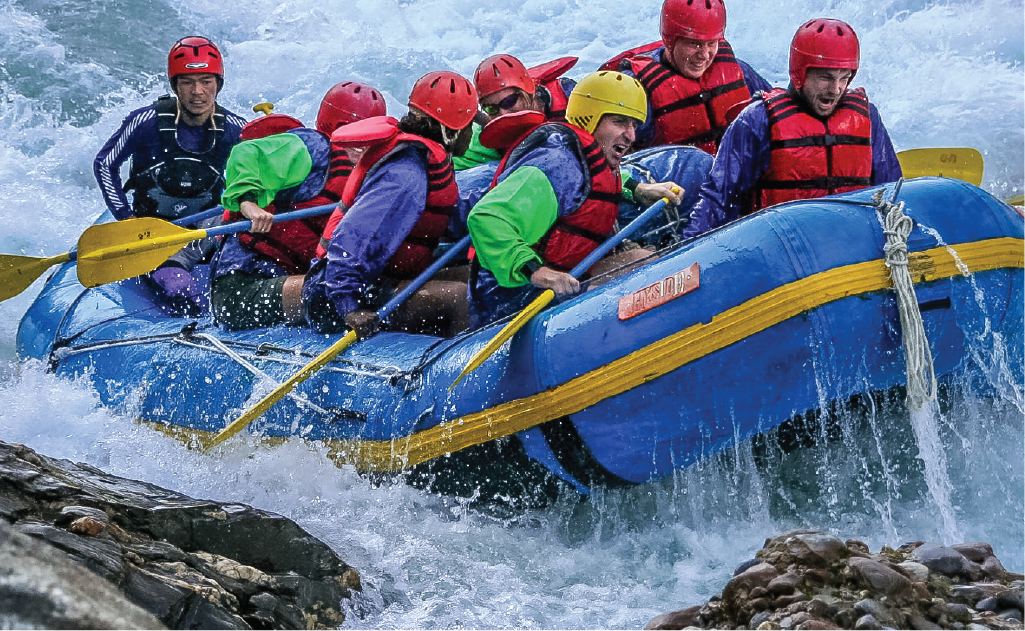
column 425, row 276
column 242, row 226
column 615, row 239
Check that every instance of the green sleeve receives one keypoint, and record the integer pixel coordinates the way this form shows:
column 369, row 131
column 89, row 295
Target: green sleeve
column 508, row 220
column 477, row 154
column 264, row 167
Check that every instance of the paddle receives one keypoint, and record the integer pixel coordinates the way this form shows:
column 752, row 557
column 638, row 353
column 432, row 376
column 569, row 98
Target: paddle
column 548, row 295
column 124, row 249
column 18, row 272
column 961, row 163
column 321, row 360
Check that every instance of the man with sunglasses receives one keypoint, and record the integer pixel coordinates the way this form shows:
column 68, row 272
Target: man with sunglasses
column 557, row 195
column 178, row 147
column 505, row 85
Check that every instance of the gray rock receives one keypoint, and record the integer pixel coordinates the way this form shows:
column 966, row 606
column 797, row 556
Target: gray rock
column 1010, row 614
column 41, row 589
column 192, row 563
column 816, row 549
column 758, row 619
column 785, row 584
column 946, row 561
column 958, row 613
column 977, row 552
column 877, row 610
column 974, row 592
column 867, row 622
column 916, row 571
column 1011, row 598
column 917, row 621
column 881, row 578
column 988, row 604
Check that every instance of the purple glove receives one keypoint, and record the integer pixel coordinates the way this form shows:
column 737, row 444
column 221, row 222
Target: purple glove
column 180, row 291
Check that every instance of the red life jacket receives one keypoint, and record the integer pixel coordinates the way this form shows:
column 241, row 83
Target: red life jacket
column 382, row 137
column 293, row 244
column 689, row 112
column 812, row 158
column 548, row 76
column 572, row 237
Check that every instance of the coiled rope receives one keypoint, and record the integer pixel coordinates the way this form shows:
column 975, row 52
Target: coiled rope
column 921, row 377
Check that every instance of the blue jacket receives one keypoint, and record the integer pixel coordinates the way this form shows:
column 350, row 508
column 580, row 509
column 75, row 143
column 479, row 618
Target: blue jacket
column 138, row 139
column 744, row 156
column 753, row 80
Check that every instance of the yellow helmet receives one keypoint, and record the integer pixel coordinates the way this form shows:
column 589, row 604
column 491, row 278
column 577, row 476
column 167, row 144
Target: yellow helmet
column 606, row 92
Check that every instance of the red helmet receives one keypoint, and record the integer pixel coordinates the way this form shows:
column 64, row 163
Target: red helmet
column 346, row 103
column 823, row 43
column 696, row 19
column 194, row 55
column 446, row 97
column 499, row 72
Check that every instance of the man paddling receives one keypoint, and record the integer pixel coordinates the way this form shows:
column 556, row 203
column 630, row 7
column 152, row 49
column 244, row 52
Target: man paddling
column 178, row 147
column 557, row 195
column 818, row 137
column 396, row 207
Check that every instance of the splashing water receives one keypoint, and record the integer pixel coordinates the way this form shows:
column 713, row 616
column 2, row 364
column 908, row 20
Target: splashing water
column 943, row 73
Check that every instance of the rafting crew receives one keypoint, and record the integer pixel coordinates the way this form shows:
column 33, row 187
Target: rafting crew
column 257, row 276
column 556, row 195
column 397, row 206
column 178, row 147
column 817, row 137
column 692, row 78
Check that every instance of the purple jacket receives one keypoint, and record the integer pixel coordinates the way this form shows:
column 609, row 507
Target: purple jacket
column 744, row 156
column 390, row 202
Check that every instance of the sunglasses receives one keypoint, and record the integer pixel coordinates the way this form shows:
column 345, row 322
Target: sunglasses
column 509, row 102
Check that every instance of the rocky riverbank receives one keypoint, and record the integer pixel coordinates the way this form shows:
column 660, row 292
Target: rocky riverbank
column 83, row 549
column 806, row 579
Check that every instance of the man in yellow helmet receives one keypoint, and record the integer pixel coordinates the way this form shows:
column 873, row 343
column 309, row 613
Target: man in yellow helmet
column 557, row 195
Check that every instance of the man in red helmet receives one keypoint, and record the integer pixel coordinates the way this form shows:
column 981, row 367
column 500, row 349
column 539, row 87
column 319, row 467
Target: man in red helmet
column 395, row 209
column 505, row 85
column 692, row 78
column 816, row 138
column 178, row 147
column 257, row 276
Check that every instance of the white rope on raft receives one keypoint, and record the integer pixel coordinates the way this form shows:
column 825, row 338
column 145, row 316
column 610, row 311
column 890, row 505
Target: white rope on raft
column 921, row 377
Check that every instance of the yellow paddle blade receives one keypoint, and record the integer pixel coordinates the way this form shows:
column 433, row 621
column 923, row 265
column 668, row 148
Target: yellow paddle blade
column 510, row 329
column 1017, row 201
column 18, row 272
column 124, row 249
column 279, row 393
column 960, row 163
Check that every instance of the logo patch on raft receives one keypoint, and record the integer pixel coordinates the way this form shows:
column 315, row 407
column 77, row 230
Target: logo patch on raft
column 659, row 293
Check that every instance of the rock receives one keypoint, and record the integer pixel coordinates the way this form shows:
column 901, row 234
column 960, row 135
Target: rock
column 977, row 552
column 947, row 561
column 877, row 610
column 1011, row 598
column 867, row 622
column 191, row 563
column 916, row 571
column 809, row 580
column 41, row 589
column 881, row 578
column 816, row 549
column 680, row 619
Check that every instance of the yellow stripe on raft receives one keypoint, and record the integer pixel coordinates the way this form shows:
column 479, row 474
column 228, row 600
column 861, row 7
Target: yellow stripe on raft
column 671, row 353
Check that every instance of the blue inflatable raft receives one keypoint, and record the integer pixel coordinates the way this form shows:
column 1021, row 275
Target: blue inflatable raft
column 713, row 341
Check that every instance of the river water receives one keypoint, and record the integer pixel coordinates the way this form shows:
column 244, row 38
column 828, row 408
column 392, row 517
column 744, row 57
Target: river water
column 943, row 74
